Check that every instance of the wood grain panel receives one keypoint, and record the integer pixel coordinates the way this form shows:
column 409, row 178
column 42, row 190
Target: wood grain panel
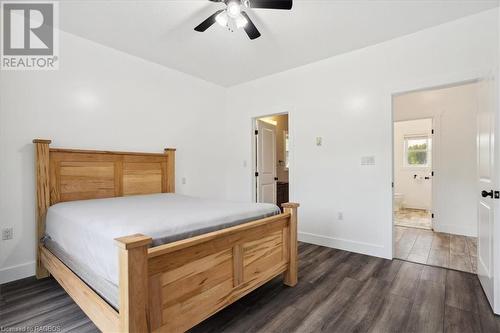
column 180, row 316
column 133, row 282
column 262, row 255
column 204, row 277
column 42, row 197
column 86, row 180
column 155, row 302
column 85, row 174
column 142, row 178
column 193, row 282
column 263, row 247
column 291, row 277
column 237, row 265
column 225, row 239
column 192, row 268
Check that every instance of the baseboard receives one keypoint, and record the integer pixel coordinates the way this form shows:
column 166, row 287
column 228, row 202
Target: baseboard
column 17, row 272
column 370, row 249
column 455, row 230
column 416, row 207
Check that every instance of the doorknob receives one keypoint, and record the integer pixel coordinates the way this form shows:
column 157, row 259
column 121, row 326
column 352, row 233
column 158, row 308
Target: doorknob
column 487, row 194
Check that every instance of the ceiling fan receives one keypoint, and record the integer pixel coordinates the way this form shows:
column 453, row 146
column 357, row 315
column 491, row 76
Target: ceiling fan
column 234, row 15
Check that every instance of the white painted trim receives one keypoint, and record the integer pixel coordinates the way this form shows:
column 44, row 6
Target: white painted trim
column 345, row 244
column 455, row 230
column 429, row 83
column 17, row 272
column 417, row 207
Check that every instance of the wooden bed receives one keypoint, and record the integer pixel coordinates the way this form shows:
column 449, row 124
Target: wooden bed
column 166, row 288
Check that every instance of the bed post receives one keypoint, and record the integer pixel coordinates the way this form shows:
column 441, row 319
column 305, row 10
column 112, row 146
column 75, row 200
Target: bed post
column 42, row 198
column 291, row 274
column 170, row 152
column 133, row 282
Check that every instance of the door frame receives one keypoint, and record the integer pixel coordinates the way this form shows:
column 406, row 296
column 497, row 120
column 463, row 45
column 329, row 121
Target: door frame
column 253, row 161
column 433, row 155
column 418, row 88
column 444, row 82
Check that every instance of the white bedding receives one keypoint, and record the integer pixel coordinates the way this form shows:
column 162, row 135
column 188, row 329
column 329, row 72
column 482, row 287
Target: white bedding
column 86, row 229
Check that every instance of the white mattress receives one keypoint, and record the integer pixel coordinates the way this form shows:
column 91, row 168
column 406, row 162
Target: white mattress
column 85, row 230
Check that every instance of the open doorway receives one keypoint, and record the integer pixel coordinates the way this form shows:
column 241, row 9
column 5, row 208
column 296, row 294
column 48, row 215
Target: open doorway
column 435, row 176
column 413, row 173
column 272, row 159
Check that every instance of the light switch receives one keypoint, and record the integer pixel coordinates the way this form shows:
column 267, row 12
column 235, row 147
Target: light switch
column 368, row 160
column 319, row 141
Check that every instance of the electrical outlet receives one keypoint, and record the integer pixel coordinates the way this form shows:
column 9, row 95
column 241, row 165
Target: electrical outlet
column 340, row 216
column 184, row 180
column 7, row 233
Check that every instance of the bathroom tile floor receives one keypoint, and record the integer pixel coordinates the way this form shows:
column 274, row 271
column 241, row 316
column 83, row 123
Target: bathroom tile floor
column 436, row 248
column 414, row 218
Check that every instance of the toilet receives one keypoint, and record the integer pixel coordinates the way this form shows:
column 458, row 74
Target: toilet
column 398, row 201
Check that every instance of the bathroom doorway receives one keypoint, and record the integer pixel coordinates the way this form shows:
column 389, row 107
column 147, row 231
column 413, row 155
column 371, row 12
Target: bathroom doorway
column 271, row 159
column 413, row 173
column 435, row 178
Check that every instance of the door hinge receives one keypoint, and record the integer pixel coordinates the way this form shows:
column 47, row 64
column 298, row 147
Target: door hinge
column 432, row 215
column 432, row 131
column 432, row 173
column 256, row 132
column 256, row 174
column 392, row 184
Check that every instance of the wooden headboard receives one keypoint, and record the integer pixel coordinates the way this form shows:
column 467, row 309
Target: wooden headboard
column 70, row 174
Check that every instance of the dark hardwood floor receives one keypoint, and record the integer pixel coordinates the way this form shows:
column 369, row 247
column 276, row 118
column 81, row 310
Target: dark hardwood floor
column 338, row 291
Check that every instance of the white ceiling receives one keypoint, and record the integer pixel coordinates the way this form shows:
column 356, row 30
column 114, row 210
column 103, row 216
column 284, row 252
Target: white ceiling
column 162, row 31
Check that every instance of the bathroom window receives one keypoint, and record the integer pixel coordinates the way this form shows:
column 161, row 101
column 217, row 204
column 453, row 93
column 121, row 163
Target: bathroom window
column 417, row 151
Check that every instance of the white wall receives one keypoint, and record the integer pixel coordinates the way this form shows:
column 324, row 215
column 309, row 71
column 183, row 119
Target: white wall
column 417, row 191
column 454, row 112
column 347, row 100
column 101, row 99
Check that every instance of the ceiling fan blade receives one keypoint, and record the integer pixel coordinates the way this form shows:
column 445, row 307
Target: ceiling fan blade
column 208, row 22
column 250, row 28
column 271, row 4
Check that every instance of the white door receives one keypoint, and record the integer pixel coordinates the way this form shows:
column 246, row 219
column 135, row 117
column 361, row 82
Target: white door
column 266, row 162
column 487, row 181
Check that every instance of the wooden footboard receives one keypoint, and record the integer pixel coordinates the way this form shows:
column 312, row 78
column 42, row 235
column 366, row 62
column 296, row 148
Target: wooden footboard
column 176, row 286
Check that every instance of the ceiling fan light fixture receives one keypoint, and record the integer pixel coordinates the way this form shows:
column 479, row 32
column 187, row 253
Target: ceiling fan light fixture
column 234, row 15
column 233, row 9
column 222, row 19
column 240, row 21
